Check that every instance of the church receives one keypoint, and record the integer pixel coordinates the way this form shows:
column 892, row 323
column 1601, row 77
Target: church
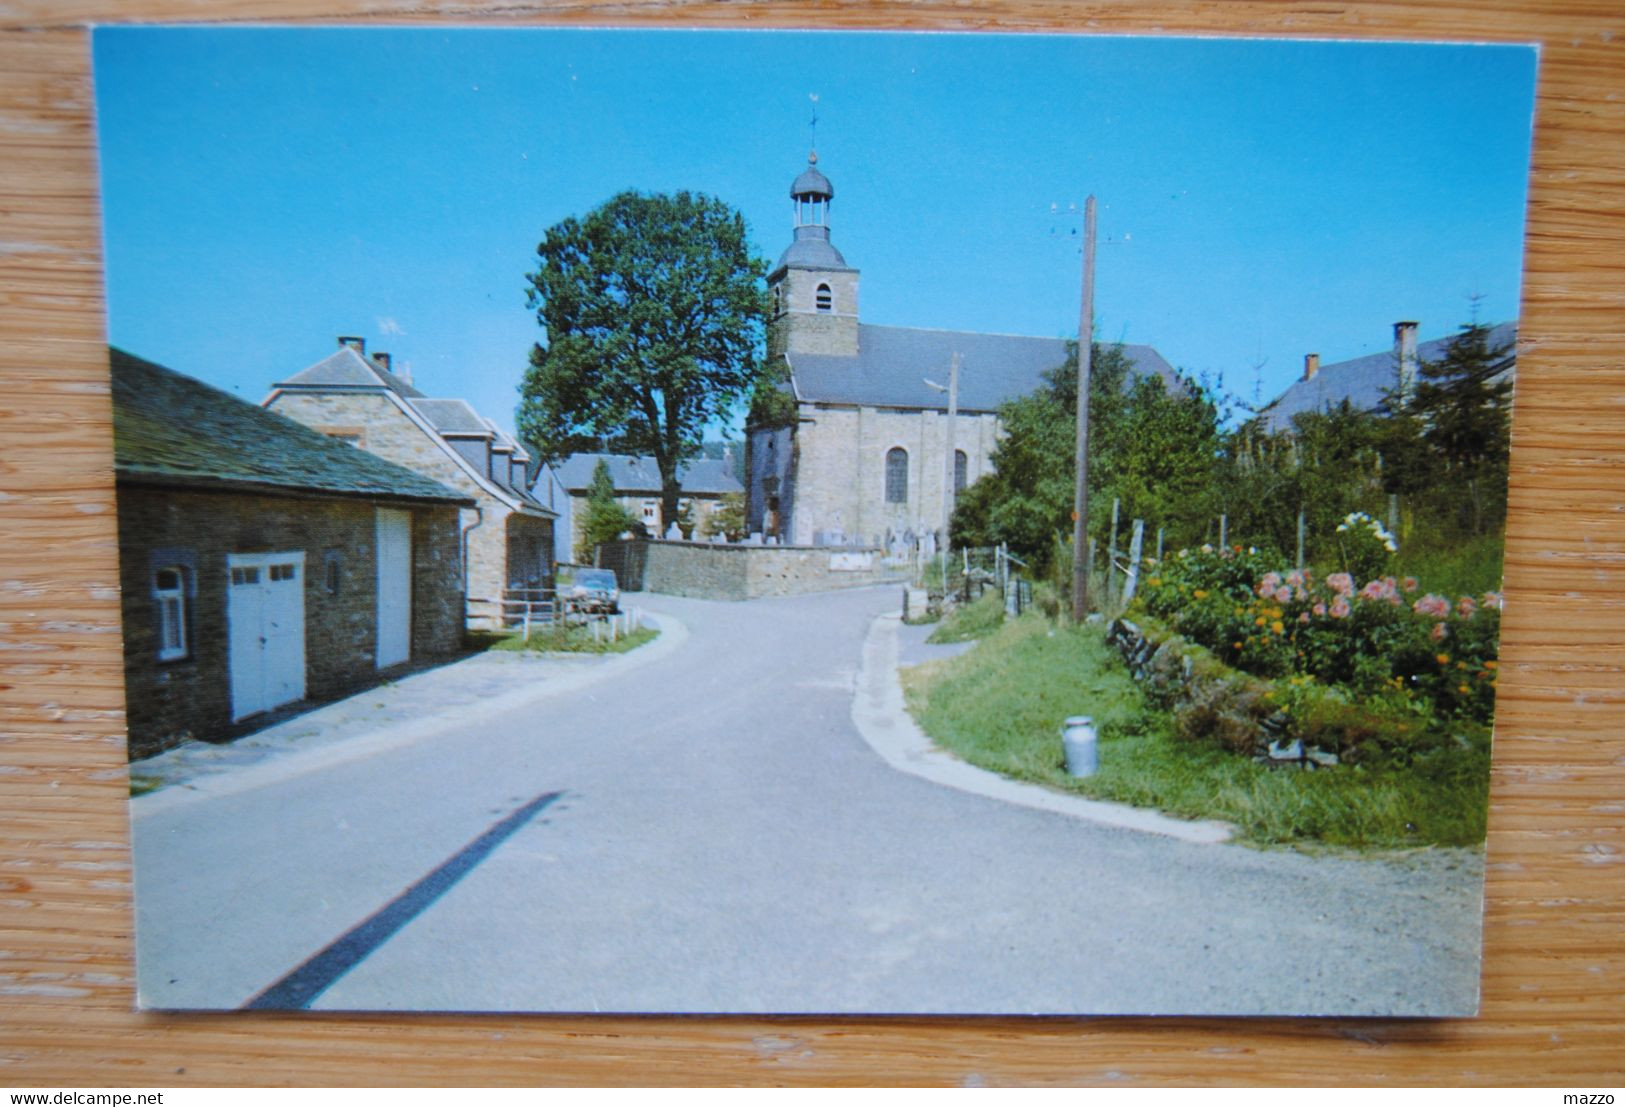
column 865, row 460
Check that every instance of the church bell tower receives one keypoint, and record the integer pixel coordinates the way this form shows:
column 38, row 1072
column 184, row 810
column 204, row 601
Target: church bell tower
column 814, row 292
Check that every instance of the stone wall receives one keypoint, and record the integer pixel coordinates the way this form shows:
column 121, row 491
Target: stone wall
column 722, row 572
column 171, row 700
column 801, row 328
column 841, row 468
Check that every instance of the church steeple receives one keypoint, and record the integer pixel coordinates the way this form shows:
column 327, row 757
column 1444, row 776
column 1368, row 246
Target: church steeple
column 815, row 292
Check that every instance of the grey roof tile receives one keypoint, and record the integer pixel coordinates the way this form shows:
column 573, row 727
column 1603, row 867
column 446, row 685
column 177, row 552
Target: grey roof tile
column 171, row 429
column 451, row 416
column 892, row 362
column 702, row 476
column 1361, row 381
column 344, row 368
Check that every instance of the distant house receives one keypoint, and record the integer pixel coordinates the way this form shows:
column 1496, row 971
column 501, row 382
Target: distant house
column 564, row 488
column 261, row 563
column 1366, row 382
column 508, row 534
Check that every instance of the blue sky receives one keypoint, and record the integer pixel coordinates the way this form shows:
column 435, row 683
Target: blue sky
column 266, row 189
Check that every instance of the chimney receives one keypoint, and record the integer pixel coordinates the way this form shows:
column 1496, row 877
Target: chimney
column 354, row 341
column 1405, row 354
column 1311, row 366
column 382, row 359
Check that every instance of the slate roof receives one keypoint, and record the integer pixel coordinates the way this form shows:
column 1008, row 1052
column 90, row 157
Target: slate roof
column 892, row 362
column 452, row 416
column 1361, row 380
column 346, row 369
column 169, row 429
column 702, row 475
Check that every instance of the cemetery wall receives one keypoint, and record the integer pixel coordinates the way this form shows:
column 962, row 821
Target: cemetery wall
column 739, row 572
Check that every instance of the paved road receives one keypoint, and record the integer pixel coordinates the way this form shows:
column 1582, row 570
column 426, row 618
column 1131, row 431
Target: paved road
column 709, row 833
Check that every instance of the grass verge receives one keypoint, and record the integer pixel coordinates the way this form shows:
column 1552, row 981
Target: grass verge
column 1000, row 707
column 574, row 639
column 976, row 619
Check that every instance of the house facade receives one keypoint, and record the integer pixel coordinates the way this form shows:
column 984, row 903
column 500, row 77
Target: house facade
column 564, row 488
column 261, row 563
column 1367, row 382
column 507, row 535
column 866, row 459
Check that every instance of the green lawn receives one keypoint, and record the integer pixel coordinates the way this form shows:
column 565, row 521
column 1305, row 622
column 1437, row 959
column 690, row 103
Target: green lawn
column 1000, row 706
column 976, row 619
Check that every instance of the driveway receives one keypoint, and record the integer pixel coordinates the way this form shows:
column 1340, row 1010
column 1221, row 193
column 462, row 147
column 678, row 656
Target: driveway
column 709, row 833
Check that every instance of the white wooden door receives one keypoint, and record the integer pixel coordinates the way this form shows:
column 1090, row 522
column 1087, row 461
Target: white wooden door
column 265, row 641
column 394, row 586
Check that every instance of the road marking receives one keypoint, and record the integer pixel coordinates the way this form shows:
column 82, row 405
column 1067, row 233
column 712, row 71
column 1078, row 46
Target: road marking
column 299, row 988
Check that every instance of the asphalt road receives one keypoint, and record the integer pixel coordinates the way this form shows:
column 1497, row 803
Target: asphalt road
column 709, row 833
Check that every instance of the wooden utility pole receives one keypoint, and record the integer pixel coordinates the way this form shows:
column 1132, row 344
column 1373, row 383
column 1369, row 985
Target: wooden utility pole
column 1080, row 495
column 948, row 444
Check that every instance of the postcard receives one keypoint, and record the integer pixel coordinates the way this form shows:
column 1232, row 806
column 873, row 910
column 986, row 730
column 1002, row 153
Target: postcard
column 787, row 522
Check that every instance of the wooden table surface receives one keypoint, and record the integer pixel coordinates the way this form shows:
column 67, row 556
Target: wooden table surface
column 1554, row 970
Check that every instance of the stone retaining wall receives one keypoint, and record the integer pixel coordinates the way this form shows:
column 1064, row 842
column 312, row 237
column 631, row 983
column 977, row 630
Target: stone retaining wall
column 719, row 572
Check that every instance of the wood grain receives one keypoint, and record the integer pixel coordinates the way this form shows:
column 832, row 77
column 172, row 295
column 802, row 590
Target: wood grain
column 1554, row 979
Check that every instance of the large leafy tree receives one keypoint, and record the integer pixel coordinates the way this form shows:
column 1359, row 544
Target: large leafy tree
column 1151, row 446
column 654, row 308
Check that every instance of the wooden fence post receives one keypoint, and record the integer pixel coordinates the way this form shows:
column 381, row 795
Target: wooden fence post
column 1135, row 546
column 1159, row 543
column 1224, row 531
column 1111, row 546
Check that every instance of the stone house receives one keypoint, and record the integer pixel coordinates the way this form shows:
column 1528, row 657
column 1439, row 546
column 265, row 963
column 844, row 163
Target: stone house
column 507, row 533
column 865, row 460
column 261, row 563
column 564, row 487
column 1366, row 382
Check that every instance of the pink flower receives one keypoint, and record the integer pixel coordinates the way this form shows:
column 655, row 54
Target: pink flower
column 1283, row 595
column 1303, row 616
column 1409, row 584
column 1341, row 583
column 1466, row 608
column 1437, row 606
column 1491, row 599
column 1372, row 590
column 1340, row 608
column 1268, row 585
column 1439, row 631
column 1320, row 609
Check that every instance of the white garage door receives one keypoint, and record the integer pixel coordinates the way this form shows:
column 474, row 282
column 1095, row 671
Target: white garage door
column 394, row 586
column 265, row 616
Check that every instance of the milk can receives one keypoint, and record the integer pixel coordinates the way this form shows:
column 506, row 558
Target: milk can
column 1078, row 739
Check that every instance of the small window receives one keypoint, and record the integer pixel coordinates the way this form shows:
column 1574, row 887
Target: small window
column 897, row 475
column 245, row 575
column 961, row 468
column 778, row 299
column 284, row 572
column 333, row 573
column 169, row 595
column 826, row 299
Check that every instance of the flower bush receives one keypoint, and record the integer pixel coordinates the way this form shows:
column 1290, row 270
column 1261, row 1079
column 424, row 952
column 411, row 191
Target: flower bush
column 1377, row 640
column 1367, row 547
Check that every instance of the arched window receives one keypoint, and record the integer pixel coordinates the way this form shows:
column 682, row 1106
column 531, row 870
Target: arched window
column 169, row 596
column 897, row 475
column 778, row 299
column 826, row 299
column 961, row 468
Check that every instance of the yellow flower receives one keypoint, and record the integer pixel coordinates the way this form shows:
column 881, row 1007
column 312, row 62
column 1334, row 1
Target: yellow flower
column 1443, row 659
column 1489, row 664
column 1200, row 593
column 1156, row 582
column 1461, row 688
column 1277, row 627
column 1258, row 622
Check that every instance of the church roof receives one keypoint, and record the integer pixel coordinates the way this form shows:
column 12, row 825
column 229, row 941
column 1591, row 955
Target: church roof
column 1361, row 381
column 701, row 475
column 811, row 253
column 812, row 183
column 891, row 363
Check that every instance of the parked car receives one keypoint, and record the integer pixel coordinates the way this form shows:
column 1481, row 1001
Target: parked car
column 593, row 591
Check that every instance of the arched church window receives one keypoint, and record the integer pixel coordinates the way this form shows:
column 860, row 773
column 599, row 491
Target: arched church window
column 961, row 468
column 897, row 475
column 826, row 299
